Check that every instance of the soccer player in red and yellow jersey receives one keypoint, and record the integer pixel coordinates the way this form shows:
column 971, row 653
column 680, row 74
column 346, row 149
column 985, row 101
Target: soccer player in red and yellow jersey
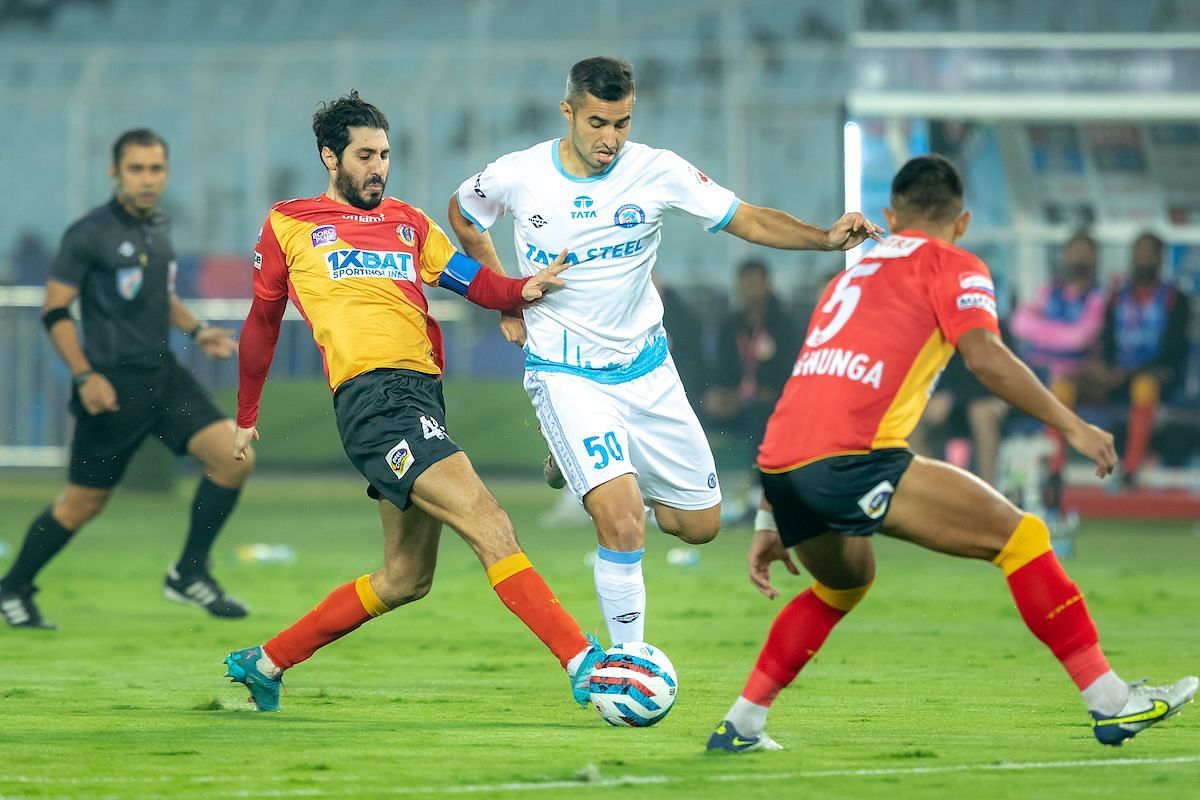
column 355, row 262
column 836, row 466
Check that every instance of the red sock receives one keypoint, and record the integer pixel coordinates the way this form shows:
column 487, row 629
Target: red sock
column 525, row 593
column 1141, row 426
column 344, row 609
column 796, row 635
column 1051, row 603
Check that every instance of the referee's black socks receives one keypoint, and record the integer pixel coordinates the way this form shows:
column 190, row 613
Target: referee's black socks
column 211, row 507
column 46, row 536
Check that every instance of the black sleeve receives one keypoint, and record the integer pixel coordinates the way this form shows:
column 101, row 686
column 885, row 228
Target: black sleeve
column 727, row 372
column 1108, row 336
column 1173, row 354
column 74, row 257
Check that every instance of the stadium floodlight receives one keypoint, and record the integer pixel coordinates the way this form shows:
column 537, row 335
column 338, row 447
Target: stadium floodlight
column 852, row 161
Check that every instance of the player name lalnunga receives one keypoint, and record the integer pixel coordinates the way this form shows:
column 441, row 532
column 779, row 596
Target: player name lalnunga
column 840, row 364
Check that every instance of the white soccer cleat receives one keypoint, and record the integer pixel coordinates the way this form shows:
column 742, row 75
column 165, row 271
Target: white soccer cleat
column 1146, row 706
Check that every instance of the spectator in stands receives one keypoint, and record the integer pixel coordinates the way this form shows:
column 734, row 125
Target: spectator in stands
column 685, row 339
column 1058, row 332
column 756, row 347
column 1144, row 348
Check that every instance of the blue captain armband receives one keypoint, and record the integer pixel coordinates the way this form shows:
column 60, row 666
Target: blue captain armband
column 459, row 272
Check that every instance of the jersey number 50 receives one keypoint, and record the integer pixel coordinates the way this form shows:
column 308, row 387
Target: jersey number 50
column 845, row 299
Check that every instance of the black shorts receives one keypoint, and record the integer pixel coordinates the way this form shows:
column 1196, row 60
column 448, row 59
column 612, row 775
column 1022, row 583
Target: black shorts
column 848, row 493
column 393, row 426
column 165, row 401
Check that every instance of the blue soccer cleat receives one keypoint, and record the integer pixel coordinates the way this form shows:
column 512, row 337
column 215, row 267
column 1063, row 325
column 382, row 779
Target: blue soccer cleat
column 1146, row 706
column 242, row 667
column 726, row 739
column 583, row 675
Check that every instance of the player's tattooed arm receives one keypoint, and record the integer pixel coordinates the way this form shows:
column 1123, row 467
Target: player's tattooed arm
column 774, row 228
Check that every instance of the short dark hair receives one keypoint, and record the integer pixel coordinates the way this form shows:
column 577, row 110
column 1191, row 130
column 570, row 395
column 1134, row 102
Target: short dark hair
column 928, row 188
column 143, row 137
column 602, row 77
column 754, row 265
column 1159, row 245
column 1083, row 236
column 332, row 121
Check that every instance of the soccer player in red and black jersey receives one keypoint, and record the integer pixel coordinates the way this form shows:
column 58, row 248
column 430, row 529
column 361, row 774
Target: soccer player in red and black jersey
column 836, row 467
column 355, row 263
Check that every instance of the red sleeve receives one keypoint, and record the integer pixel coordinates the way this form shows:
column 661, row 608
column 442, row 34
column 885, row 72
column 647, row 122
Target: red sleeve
column 491, row 290
column 963, row 295
column 256, row 348
column 270, row 265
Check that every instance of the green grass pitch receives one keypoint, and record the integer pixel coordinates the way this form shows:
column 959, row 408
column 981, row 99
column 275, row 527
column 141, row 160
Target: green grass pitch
column 932, row 688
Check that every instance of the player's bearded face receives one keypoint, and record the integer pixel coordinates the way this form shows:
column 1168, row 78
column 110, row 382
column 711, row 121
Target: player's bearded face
column 365, row 192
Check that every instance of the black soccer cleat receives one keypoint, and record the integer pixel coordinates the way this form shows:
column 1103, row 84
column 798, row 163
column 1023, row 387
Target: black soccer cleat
column 203, row 591
column 19, row 610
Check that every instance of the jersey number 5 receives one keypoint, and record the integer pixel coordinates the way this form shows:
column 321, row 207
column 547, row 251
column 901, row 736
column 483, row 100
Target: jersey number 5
column 845, row 299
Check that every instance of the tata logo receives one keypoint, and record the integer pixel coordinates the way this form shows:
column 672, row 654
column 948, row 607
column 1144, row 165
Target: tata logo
column 537, row 255
column 396, row 266
column 583, row 205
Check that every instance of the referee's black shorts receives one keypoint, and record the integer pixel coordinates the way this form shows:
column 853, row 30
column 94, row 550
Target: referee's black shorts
column 165, row 401
column 848, row 493
column 393, row 426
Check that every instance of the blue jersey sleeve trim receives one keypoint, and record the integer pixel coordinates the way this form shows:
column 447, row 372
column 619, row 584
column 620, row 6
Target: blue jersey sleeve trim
column 458, row 274
column 733, row 207
column 618, row 556
column 469, row 218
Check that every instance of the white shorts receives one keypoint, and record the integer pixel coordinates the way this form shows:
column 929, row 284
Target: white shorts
column 597, row 432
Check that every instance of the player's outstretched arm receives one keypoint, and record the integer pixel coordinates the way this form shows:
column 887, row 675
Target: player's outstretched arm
column 485, row 288
column 1007, row 377
column 259, row 335
column 774, row 228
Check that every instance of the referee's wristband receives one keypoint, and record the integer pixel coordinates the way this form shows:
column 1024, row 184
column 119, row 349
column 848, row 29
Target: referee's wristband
column 765, row 521
column 194, row 332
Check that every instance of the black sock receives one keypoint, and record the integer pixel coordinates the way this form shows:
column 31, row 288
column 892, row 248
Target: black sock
column 211, row 507
column 42, row 543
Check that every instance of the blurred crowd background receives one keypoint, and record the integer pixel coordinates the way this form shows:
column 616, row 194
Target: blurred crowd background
column 1074, row 122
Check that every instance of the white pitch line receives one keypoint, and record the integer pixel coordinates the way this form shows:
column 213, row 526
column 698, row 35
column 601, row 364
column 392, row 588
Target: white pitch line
column 629, row 780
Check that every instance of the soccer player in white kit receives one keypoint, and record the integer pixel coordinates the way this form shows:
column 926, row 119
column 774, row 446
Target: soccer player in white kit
column 604, row 387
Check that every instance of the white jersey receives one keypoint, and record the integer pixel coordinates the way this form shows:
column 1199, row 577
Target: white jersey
column 606, row 323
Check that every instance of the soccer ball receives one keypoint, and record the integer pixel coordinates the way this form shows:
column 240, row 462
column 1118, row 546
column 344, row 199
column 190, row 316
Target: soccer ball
column 634, row 685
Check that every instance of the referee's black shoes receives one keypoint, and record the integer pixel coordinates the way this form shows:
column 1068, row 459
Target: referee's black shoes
column 203, row 591
column 19, row 610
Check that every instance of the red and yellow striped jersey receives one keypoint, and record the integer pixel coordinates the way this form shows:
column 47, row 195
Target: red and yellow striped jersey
column 356, row 277
column 880, row 335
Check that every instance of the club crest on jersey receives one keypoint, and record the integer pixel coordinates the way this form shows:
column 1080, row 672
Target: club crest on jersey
column 393, row 265
column 400, row 459
column 629, row 216
column 875, row 502
column 583, row 205
column 129, row 281
column 407, row 234
column 326, row 234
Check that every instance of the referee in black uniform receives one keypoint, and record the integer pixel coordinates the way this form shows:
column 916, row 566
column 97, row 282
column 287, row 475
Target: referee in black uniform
column 118, row 260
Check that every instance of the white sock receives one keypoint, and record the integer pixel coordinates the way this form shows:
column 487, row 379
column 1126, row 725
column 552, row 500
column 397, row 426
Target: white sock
column 749, row 718
column 576, row 660
column 266, row 666
column 622, row 593
column 1107, row 694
